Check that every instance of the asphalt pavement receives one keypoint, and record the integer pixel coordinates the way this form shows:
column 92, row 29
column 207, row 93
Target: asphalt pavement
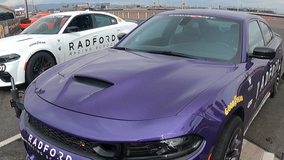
column 267, row 129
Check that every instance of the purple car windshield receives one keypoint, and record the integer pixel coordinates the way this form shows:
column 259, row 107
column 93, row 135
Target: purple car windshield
column 193, row 36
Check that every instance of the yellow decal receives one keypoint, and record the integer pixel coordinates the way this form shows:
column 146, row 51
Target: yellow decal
column 12, row 26
column 1, row 32
column 119, row 20
column 233, row 104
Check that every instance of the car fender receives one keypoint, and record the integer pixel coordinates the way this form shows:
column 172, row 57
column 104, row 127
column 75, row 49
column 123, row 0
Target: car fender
column 224, row 102
column 29, row 53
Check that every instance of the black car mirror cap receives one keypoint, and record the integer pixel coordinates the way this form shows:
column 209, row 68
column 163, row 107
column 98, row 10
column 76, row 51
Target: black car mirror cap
column 72, row 29
column 263, row 53
column 121, row 35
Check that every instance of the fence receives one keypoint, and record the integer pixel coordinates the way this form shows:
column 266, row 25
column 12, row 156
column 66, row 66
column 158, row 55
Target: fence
column 9, row 27
column 135, row 14
column 12, row 27
column 144, row 14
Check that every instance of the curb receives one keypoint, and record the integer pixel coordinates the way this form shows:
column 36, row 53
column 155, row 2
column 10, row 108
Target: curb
column 251, row 151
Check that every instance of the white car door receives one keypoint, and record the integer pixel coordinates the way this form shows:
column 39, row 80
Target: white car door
column 89, row 33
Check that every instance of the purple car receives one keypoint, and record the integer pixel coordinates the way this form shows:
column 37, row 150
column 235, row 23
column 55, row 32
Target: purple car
column 185, row 84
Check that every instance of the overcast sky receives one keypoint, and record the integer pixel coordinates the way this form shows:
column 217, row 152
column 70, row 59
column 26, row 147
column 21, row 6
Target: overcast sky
column 277, row 5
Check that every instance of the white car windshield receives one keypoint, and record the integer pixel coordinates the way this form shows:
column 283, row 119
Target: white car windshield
column 47, row 25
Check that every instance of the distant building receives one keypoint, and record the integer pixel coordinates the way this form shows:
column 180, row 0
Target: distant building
column 4, row 8
column 105, row 5
column 20, row 11
column 83, row 6
column 53, row 11
column 97, row 6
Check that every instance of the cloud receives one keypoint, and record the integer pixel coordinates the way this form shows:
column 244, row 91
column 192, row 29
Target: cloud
column 11, row 3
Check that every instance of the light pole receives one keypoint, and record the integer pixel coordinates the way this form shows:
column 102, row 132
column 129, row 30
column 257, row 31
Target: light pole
column 26, row 8
column 238, row 5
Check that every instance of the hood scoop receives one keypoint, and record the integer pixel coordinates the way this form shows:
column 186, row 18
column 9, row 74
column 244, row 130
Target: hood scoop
column 74, row 91
column 92, row 82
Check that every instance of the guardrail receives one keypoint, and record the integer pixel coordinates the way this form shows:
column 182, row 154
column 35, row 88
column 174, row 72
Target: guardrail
column 267, row 14
column 135, row 14
column 140, row 14
column 12, row 26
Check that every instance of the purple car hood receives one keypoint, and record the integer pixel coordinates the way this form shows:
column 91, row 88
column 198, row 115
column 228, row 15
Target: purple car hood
column 128, row 86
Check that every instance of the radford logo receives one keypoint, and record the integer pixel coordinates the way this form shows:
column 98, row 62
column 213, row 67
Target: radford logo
column 45, row 150
column 265, row 79
column 89, row 45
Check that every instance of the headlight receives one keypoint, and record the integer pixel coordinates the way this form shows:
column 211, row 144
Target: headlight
column 9, row 58
column 165, row 149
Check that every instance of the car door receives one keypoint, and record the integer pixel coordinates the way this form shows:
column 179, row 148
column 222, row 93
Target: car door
column 261, row 73
column 89, row 33
column 272, row 41
column 107, row 30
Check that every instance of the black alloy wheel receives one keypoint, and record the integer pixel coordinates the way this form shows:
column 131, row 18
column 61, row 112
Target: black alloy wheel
column 277, row 84
column 37, row 64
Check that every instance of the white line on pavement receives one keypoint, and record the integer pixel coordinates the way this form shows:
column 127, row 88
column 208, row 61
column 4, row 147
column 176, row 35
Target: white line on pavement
column 10, row 140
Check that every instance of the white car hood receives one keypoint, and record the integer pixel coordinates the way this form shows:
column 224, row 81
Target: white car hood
column 18, row 41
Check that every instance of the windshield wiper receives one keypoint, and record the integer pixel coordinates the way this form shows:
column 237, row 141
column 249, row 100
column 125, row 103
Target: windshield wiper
column 121, row 48
column 171, row 53
column 168, row 53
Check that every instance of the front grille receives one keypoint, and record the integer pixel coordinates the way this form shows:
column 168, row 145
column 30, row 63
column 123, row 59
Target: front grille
column 74, row 144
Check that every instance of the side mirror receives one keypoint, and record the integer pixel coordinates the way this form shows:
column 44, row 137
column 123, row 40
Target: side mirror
column 72, row 29
column 121, row 35
column 263, row 53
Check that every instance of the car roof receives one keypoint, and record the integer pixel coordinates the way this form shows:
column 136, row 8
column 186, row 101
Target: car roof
column 74, row 13
column 242, row 16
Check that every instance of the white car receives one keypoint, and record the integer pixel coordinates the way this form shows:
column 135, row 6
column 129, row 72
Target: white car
column 57, row 38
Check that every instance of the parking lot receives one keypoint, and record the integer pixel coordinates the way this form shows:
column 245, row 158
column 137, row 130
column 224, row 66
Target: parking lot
column 266, row 130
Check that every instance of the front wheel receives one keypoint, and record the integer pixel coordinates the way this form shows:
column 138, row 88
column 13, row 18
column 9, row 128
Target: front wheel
column 37, row 64
column 229, row 144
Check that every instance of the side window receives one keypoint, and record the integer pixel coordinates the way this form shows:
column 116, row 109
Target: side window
column 83, row 22
column 103, row 20
column 266, row 32
column 255, row 36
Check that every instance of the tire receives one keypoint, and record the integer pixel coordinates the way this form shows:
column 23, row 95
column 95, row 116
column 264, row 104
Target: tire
column 229, row 144
column 277, row 82
column 37, row 64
